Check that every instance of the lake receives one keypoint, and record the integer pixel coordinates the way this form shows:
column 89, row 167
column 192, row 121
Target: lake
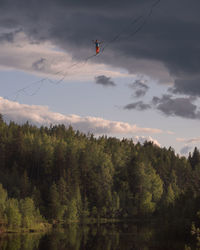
column 107, row 236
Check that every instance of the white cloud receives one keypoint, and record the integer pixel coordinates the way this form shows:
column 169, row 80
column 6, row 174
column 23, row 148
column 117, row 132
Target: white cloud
column 41, row 115
column 185, row 150
column 189, row 141
column 142, row 139
column 44, row 59
column 189, row 144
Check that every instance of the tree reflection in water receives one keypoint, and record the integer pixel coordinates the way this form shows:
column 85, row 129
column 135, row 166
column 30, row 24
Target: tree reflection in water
column 119, row 236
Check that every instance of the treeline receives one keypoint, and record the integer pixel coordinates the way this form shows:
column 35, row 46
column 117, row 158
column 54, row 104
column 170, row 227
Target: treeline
column 71, row 176
column 19, row 214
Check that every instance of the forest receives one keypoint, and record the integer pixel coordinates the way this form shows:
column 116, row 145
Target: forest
column 56, row 174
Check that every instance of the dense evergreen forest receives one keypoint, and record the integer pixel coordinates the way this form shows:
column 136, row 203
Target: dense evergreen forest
column 60, row 175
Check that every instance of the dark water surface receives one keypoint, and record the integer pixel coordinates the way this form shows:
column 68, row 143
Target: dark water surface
column 118, row 236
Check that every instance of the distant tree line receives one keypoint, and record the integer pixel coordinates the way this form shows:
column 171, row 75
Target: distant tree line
column 66, row 175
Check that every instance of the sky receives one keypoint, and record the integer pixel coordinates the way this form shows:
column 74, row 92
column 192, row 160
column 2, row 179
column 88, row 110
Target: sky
column 143, row 85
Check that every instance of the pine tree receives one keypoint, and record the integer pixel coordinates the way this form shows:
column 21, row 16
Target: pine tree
column 13, row 214
column 25, row 185
column 170, row 196
column 27, row 210
column 195, row 158
column 56, row 210
column 3, row 198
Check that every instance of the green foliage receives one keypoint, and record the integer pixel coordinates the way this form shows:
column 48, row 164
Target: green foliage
column 30, row 215
column 170, row 196
column 27, row 209
column 13, row 214
column 147, row 188
column 85, row 210
column 195, row 158
column 18, row 214
column 72, row 212
column 56, row 209
column 3, row 198
column 72, row 176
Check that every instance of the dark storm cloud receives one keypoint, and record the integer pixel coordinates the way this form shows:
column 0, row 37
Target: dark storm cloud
column 138, row 106
column 8, row 36
column 182, row 107
column 187, row 87
column 104, row 80
column 169, row 106
column 140, row 88
column 39, row 64
column 170, row 35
